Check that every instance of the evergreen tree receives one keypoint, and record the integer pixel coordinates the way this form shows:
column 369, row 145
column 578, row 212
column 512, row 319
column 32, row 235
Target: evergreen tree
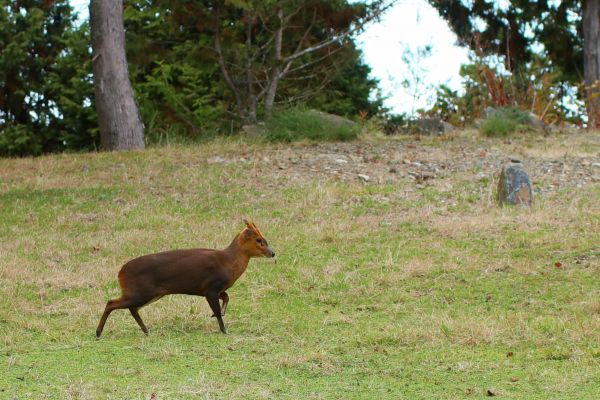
column 46, row 94
column 565, row 34
column 517, row 28
column 184, row 77
column 350, row 91
column 173, row 69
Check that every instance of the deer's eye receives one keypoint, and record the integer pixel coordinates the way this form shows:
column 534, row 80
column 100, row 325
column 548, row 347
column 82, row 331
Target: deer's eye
column 259, row 241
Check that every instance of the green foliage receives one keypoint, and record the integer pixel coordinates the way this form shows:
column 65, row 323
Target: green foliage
column 300, row 124
column 176, row 80
column 46, row 93
column 16, row 139
column 393, row 123
column 516, row 28
column 46, row 83
column 350, row 91
column 181, row 89
column 504, row 121
column 539, row 45
column 533, row 86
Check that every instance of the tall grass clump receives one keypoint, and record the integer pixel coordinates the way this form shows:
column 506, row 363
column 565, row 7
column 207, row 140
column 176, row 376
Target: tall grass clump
column 298, row 124
column 505, row 121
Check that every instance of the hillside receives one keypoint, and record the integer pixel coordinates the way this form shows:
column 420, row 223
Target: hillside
column 396, row 276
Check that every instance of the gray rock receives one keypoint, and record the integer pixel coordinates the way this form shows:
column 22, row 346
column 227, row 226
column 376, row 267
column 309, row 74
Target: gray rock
column 216, row 160
column 363, row 177
column 429, row 126
column 536, row 122
column 514, row 186
column 254, row 130
column 529, row 118
column 489, row 111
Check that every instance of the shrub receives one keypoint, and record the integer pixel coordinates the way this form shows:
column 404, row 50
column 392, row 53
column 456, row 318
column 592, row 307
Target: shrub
column 19, row 140
column 506, row 120
column 297, row 124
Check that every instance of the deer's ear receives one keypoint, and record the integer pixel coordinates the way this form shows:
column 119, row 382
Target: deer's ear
column 248, row 233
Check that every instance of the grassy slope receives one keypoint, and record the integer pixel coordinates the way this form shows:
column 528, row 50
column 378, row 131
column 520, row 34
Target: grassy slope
column 411, row 297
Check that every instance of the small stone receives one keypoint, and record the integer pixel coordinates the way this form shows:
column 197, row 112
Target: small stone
column 364, row 178
column 596, row 165
column 254, row 130
column 341, row 161
column 216, row 160
column 514, row 186
column 429, row 126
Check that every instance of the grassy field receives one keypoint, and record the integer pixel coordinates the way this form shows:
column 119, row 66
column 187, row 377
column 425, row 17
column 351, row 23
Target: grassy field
column 380, row 289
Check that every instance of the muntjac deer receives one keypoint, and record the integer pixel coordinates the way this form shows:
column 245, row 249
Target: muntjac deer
column 199, row 272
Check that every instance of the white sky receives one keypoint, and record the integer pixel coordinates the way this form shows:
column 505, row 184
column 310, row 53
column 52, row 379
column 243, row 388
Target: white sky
column 409, row 24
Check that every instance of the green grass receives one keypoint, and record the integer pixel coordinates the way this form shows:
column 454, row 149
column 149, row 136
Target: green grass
column 505, row 121
column 405, row 299
column 299, row 124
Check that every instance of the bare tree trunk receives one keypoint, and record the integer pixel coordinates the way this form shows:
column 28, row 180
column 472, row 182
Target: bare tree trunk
column 276, row 73
column 120, row 125
column 591, row 60
column 251, row 117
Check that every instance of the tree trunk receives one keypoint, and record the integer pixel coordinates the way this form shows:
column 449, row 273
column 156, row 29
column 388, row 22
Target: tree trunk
column 591, row 60
column 251, row 116
column 120, row 125
column 276, row 73
column 271, row 92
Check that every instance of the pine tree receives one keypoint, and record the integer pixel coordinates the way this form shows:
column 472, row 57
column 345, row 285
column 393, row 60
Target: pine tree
column 216, row 61
column 46, row 101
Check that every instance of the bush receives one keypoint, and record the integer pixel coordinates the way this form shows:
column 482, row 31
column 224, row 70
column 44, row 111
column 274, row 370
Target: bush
column 19, row 140
column 297, row 124
column 506, row 120
column 46, row 90
column 393, row 123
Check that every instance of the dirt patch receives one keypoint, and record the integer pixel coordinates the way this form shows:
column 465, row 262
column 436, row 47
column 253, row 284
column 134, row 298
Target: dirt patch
column 552, row 162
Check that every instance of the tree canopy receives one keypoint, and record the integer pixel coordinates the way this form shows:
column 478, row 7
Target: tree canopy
column 46, row 92
column 519, row 29
column 200, row 64
column 183, row 82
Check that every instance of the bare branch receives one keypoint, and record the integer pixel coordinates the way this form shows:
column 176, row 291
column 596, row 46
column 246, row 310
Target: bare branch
column 338, row 38
column 307, row 64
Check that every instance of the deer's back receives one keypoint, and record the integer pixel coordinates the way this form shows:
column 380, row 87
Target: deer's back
column 191, row 271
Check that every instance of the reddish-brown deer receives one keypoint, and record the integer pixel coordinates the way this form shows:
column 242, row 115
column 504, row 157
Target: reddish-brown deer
column 199, row 272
